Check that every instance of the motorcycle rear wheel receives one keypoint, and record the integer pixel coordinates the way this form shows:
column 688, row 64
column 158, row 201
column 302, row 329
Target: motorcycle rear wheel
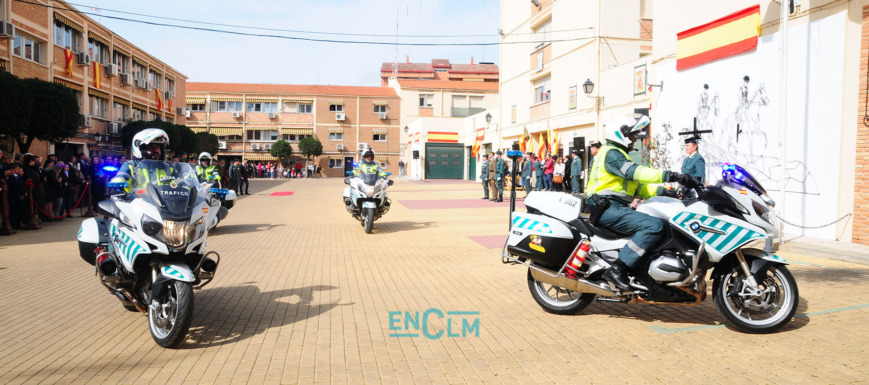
column 766, row 313
column 169, row 320
column 557, row 300
column 368, row 219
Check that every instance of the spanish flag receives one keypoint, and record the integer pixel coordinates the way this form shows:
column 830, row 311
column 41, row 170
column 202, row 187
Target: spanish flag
column 481, row 134
column 68, row 54
column 159, row 99
column 97, row 72
column 541, row 149
column 727, row 36
column 443, row 137
column 554, row 138
column 526, row 138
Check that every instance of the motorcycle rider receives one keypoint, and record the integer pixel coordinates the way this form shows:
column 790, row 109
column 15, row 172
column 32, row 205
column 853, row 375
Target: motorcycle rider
column 614, row 182
column 205, row 170
column 368, row 165
column 148, row 144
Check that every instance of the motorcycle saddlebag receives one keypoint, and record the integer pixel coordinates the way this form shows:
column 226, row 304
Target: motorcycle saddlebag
column 541, row 239
column 91, row 233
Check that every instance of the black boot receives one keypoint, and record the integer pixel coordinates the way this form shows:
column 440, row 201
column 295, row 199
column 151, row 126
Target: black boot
column 617, row 274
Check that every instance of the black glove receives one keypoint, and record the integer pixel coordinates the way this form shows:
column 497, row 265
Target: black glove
column 672, row 193
column 683, row 179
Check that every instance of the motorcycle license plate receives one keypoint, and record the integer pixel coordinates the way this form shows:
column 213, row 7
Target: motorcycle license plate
column 369, row 205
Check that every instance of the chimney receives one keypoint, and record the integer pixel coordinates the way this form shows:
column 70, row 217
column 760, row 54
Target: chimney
column 408, row 59
column 472, row 60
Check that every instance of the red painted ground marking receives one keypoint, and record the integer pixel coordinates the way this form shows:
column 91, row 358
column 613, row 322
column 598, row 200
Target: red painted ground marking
column 281, row 194
column 490, row 241
column 429, row 204
column 443, row 181
column 422, row 191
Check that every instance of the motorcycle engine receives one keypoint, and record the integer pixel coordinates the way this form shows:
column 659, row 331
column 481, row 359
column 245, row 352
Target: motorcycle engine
column 667, row 268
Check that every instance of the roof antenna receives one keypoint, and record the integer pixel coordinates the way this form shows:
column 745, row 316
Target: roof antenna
column 395, row 58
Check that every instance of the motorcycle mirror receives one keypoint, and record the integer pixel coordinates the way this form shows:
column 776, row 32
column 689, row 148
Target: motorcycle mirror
column 390, row 183
column 388, row 174
column 346, row 180
column 349, row 172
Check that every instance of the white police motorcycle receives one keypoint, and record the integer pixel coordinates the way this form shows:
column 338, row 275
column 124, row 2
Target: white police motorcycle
column 149, row 250
column 709, row 229
column 366, row 198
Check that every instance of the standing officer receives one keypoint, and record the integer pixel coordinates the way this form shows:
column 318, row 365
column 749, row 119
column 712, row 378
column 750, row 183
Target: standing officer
column 538, row 174
column 575, row 172
column 493, row 187
column 694, row 164
column 484, row 176
column 500, row 172
column 526, row 173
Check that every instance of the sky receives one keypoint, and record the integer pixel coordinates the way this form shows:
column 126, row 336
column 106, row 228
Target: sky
column 216, row 57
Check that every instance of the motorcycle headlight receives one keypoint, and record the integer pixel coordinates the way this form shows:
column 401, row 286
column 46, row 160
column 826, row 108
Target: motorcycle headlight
column 369, row 190
column 176, row 233
column 125, row 219
column 151, row 226
column 762, row 211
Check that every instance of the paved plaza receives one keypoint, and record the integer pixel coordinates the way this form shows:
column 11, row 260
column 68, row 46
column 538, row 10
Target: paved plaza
column 303, row 295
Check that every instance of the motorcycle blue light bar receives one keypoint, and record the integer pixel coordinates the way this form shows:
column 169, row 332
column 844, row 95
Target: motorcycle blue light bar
column 221, row 191
column 514, row 153
column 110, row 169
column 116, row 185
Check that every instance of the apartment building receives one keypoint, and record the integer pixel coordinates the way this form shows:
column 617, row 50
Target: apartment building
column 553, row 50
column 115, row 81
column 249, row 118
column 436, row 97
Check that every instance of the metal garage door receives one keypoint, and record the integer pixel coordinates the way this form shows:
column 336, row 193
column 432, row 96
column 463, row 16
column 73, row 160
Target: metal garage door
column 444, row 161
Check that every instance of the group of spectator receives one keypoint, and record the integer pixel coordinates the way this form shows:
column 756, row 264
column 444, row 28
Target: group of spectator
column 57, row 185
column 549, row 173
column 272, row 170
column 546, row 174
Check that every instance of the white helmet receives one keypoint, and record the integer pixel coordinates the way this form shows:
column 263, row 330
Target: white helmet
column 618, row 130
column 205, row 156
column 147, row 137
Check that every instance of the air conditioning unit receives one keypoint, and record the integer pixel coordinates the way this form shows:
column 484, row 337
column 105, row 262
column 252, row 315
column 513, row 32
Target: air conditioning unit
column 254, row 146
column 7, row 29
column 167, row 95
column 84, row 59
column 126, row 79
column 363, row 146
column 151, row 85
column 114, row 128
column 221, row 145
column 268, row 147
column 111, row 69
column 180, row 111
column 382, row 115
column 340, row 147
column 87, row 121
column 340, row 116
column 237, row 115
column 188, row 113
column 272, row 115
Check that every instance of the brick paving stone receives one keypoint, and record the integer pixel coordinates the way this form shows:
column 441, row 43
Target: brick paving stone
column 303, row 295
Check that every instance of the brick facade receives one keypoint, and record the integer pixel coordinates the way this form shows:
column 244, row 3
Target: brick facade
column 861, row 178
column 646, row 30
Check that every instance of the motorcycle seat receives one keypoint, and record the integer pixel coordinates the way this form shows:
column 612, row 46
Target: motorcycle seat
column 599, row 231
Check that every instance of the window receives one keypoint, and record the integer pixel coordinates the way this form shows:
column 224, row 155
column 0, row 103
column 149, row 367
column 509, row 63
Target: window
column 26, row 47
column 541, row 90
column 304, row 108
column 152, row 116
column 170, row 86
column 262, row 107
column 441, row 70
column 138, row 114
column 336, row 108
column 196, row 107
column 99, row 52
column 98, row 106
column 335, row 163
column 78, row 99
column 229, row 137
column 379, row 137
column 294, row 138
column 541, row 33
column 122, row 61
column 379, row 109
column 139, row 70
column 67, row 37
column 156, row 80
column 270, row 107
column 120, row 111
column 425, row 100
column 336, row 136
column 254, row 107
column 226, row 106
column 262, row 135
column 539, row 61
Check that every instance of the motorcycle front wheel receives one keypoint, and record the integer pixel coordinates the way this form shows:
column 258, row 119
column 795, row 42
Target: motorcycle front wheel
column 558, row 300
column 368, row 219
column 764, row 313
column 169, row 317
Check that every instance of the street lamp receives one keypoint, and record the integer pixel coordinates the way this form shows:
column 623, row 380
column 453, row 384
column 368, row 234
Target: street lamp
column 587, row 87
column 98, row 137
column 488, row 118
column 406, row 129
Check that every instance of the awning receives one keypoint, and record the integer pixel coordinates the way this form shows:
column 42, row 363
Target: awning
column 195, row 100
column 380, row 158
column 140, row 61
column 98, row 38
column 379, row 131
column 67, row 22
column 140, row 106
column 380, row 103
column 297, row 131
column 98, row 93
column 336, row 130
column 336, row 157
column 157, row 71
column 66, row 83
column 261, row 157
column 197, row 129
column 261, row 128
column 262, row 100
column 3, row 64
column 221, row 131
column 336, row 102
column 225, row 99
column 121, row 50
column 299, row 101
column 169, row 77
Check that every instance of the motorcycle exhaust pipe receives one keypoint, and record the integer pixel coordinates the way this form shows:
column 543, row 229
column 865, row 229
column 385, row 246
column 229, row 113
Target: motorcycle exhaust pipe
column 579, row 285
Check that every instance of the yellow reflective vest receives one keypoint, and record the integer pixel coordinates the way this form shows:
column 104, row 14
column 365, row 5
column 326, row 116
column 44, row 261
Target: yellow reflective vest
column 640, row 184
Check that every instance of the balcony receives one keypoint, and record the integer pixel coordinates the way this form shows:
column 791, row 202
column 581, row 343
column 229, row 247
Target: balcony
column 461, row 112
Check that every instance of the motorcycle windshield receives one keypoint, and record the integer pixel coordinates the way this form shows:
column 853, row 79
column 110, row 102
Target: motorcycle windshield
column 369, row 178
column 720, row 160
column 171, row 187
